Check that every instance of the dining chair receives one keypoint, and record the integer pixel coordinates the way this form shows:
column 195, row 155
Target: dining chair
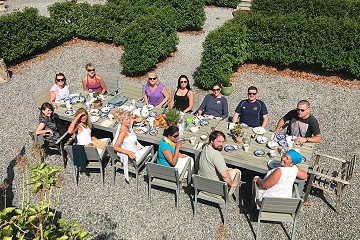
column 213, row 191
column 277, row 209
column 134, row 166
column 86, row 158
column 166, row 177
column 332, row 181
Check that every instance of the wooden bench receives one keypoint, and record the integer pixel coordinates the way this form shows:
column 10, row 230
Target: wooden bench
column 133, row 90
column 42, row 96
column 112, row 85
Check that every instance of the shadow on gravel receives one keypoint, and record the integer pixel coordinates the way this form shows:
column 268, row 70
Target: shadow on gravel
column 6, row 188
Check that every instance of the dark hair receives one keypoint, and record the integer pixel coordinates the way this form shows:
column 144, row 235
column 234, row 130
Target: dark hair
column 304, row 102
column 62, row 75
column 253, row 88
column 188, row 83
column 44, row 106
column 170, row 131
column 216, row 84
column 213, row 135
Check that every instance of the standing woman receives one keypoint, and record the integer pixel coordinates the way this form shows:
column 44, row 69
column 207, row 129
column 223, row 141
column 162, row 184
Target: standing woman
column 47, row 122
column 93, row 82
column 155, row 92
column 183, row 97
column 215, row 104
column 59, row 90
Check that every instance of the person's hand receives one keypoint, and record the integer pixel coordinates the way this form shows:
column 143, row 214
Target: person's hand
column 183, row 155
column 51, row 133
column 234, row 183
column 131, row 155
column 179, row 144
column 58, row 104
column 255, row 179
column 90, row 90
column 159, row 106
column 300, row 140
column 93, row 138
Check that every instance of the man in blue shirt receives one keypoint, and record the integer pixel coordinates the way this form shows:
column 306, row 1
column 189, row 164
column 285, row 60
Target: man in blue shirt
column 252, row 111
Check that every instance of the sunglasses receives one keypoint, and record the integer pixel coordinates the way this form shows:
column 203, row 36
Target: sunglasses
column 251, row 93
column 300, row 110
column 152, row 78
column 91, row 70
column 60, row 79
column 216, row 89
column 183, row 81
column 175, row 136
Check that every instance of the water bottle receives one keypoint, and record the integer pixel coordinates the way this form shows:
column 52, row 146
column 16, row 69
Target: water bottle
column 181, row 125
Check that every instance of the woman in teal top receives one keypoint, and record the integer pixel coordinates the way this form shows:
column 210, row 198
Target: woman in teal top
column 169, row 147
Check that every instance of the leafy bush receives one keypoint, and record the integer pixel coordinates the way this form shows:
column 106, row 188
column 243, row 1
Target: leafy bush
column 224, row 49
column 147, row 40
column 223, row 3
column 311, row 8
column 24, row 33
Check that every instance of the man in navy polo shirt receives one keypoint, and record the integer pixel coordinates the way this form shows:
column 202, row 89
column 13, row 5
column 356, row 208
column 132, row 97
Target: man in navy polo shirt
column 252, row 111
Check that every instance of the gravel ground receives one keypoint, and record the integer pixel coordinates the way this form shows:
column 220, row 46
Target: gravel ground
column 117, row 212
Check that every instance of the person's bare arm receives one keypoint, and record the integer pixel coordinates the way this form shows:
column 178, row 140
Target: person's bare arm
column 52, row 98
column 191, row 101
column 315, row 139
column 166, row 97
column 84, row 84
column 40, row 130
column 226, row 176
column 172, row 159
column 235, row 117
column 301, row 174
column 265, row 120
column 146, row 99
column 102, row 84
column 270, row 181
column 279, row 125
column 172, row 101
column 72, row 125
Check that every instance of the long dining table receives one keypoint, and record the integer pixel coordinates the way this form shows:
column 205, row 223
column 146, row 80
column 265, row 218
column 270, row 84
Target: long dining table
column 238, row 157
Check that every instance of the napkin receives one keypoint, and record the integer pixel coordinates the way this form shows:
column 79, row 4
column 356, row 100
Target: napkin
column 106, row 123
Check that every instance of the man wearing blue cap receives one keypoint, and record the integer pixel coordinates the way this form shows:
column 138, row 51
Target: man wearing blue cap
column 278, row 182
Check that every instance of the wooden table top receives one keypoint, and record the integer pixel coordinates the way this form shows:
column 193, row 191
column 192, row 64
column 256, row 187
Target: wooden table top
column 239, row 158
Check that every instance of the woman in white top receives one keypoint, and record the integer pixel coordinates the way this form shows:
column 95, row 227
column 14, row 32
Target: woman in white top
column 81, row 126
column 126, row 142
column 59, row 90
column 278, row 182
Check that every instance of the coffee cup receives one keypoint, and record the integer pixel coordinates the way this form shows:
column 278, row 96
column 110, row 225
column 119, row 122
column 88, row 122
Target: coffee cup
column 272, row 153
column 91, row 94
column 192, row 140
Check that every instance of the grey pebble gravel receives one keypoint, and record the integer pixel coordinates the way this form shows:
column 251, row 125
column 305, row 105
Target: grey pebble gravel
column 117, row 212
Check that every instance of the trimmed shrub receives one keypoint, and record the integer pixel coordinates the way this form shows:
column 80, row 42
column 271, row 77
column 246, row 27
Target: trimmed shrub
column 147, row 40
column 224, row 49
column 223, row 3
column 24, row 33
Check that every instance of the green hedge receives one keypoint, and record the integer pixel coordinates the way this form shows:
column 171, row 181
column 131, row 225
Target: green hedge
column 285, row 39
column 311, row 8
column 147, row 40
column 223, row 3
column 224, row 49
column 24, row 33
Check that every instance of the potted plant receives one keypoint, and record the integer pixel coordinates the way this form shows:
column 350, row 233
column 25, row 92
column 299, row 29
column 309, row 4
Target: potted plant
column 173, row 116
column 238, row 133
column 226, row 87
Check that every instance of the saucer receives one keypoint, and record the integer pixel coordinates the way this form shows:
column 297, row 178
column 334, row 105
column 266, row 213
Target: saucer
column 259, row 153
column 229, row 148
column 69, row 112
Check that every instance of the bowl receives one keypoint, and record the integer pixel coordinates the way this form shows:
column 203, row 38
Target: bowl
column 106, row 109
column 194, row 129
column 94, row 111
column 272, row 144
column 94, row 118
column 203, row 137
column 261, row 139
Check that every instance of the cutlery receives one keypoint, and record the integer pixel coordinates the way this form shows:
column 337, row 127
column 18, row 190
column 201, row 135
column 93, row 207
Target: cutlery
column 116, row 123
column 197, row 145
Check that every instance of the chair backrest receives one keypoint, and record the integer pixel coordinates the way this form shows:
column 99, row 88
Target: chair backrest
column 92, row 154
column 42, row 96
column 112, row 84
column 162, row 172
column 110, row 150
column 350, row 169
column 212, row 186
column 133, row 90
column 281, row 205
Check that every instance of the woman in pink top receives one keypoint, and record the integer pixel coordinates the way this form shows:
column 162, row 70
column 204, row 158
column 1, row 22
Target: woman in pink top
column 155, row 92
column 93, row 82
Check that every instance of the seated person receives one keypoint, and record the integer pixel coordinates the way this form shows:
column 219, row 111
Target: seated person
column 59, row 90
column 169, row 150
column 183, row 97
column 47, row 124
column 251, row 110
column 212, row 163
column 155, row 92
column 81, row 127
column 93, row 82
column 303, row 125
column 214, row 104
column 278, row 182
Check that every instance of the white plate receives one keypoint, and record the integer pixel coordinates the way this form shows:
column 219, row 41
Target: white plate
column 94, row 119
column 94, row 111
column 150, row 107
column 229, row 148
column 106, row 109
column 74, row 95
column 194, row 129
column 259, row 153
column 280, row 136
column 140, row 130
column 69, row 112
column 261, row 139
column 282, row 142
column 272, row 144
column 274, row 163
column 259, row 130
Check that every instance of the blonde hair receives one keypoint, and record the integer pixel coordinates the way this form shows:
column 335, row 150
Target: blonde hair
column 89, row 65
column 124, row 114
column 88, row 121
column 152, row 74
